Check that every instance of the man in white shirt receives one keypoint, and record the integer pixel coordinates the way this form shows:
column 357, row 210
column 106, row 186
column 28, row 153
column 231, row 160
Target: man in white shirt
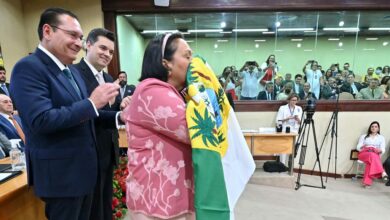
column 250, row 76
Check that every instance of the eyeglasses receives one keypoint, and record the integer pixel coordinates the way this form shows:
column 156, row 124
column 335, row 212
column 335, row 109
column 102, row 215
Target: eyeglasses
column 73, row 34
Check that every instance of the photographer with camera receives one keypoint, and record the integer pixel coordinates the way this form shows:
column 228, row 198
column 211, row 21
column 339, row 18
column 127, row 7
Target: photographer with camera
column 269, row 68
column 250, row 76
column 313, row 76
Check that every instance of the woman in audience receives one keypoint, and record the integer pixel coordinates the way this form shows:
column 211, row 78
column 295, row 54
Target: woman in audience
column 371, row 146
column 160, row 181
column 270, row 69
column 386, row 87
column 385, row 71
column 328, row 74
column 290, row 116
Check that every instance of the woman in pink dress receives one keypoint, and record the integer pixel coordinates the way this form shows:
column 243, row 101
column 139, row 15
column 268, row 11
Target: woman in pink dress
column 160, row 181
column 371, row 146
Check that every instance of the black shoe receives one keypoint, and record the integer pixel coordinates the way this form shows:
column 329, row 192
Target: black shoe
column 388, row 183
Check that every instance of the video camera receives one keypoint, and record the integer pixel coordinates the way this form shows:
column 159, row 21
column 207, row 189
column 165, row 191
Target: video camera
column 310, row 107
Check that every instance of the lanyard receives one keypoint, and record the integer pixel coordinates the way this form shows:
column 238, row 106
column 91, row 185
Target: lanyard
column 291, row 112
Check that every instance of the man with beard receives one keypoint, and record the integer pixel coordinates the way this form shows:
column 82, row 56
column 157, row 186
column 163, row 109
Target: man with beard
column 4, row 87
column 125, row 90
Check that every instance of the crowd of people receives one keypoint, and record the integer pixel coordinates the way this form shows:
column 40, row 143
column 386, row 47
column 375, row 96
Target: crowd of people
column 66, row 117
column 255, row 82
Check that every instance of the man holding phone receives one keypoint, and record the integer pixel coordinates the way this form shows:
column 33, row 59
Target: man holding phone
column 250, row 75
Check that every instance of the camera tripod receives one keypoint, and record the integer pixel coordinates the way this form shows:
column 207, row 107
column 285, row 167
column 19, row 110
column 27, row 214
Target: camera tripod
column 302, row 140
column 333, row 130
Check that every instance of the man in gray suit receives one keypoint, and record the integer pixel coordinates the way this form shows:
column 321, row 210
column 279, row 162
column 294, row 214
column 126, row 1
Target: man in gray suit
column 372, row 92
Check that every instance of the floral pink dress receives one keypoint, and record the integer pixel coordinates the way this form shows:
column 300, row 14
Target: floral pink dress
column 160, row 181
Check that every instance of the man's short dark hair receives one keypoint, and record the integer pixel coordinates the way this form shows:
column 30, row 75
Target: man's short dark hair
column 95, row 33
column 50, row 17
column 298, row 75
column 352, row 74
column 2, row 68
column 122, row 72
column 152, row 66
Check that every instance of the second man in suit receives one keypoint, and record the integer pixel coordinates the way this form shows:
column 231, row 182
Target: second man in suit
column 99, row 52
column 125, row 90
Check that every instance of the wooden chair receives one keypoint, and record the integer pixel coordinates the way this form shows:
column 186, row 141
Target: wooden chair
column 346, row 96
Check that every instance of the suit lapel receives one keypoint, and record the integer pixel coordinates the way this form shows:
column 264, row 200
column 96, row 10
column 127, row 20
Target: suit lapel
column 53, row 68
column 8, row 125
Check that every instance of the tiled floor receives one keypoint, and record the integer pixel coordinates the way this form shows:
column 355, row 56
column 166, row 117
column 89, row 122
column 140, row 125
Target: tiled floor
column 343, row 199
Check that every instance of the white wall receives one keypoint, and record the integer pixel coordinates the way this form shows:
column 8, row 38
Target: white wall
column 350, row 126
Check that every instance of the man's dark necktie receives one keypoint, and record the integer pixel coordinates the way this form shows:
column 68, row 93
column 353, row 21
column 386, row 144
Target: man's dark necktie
column 4, row 87
column 69, row 76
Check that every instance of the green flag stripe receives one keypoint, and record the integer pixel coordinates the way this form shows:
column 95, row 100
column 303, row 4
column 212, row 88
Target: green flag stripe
column 211, row 200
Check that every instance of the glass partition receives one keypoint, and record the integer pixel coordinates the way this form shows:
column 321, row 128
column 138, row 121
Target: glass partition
column 341, row 43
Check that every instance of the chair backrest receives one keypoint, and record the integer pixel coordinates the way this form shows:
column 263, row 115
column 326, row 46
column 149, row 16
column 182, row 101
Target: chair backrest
column 346, row 96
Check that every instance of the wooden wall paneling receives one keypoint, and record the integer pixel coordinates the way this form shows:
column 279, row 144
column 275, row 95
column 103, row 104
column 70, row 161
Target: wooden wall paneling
column 110, row 24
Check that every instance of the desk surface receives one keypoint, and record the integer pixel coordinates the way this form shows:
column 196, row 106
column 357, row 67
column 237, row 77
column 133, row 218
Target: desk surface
column 12, row 186
column 281, row 134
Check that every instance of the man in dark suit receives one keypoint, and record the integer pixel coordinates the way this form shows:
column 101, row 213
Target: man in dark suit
column 297, row 86
column 125, row 90
column 4, row 87
column 305, row 94
column 99, row 52
column 10, row 125
column 351, row 86
column 268, row 93
column 57, row 116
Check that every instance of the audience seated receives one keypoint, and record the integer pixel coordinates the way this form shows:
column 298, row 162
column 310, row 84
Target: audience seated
column 268, row 93
column 287, row 78
column 10, row 125
column 278, row 87
column 351, row 86
column 5, row 146
column 371, row 146
column 330, row 89
column 288, row 89
column 386, row 90
column 297, row 85
column 371, row 74
column 305, row 93
column 372, row 92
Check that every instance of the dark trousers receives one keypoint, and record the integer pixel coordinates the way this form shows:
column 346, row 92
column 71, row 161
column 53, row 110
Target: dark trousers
column 386, row 165
column 102, row 197
column 71, row 208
